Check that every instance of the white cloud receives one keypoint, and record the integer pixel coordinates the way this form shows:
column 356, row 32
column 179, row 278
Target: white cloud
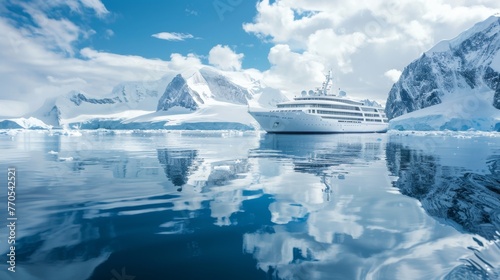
column 39, row 61
column 12, row 108
column 77, row 6
column 179, row 63
column 31, row 72
column 172, row 36
column 278, row 23
column 97, row 6
column 320, row 43
column 359, row 41
column 393, row 75
column 418, row 33
column 55, row 33
column 224, row 58
column 293, row 72
column 66, row 81
column 109, row 33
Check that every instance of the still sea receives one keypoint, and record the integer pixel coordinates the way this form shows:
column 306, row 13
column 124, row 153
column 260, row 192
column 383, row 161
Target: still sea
column 141, row 205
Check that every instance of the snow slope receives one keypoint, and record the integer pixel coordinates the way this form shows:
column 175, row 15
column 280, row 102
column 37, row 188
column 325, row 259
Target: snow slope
column 461, row 74
column 217, row 115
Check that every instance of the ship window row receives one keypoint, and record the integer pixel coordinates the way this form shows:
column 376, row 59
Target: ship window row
column 349, row 121
column 373, row 120
column 286, row 110
column 343, row 118
column 342, row 107
column 339, row 113
column 291, row 106
column 372, row 115
column 330, row 99
column 368, row 109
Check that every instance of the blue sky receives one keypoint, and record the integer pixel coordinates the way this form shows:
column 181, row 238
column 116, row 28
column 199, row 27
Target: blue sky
column 209, row 22
column 128, row 27
column 52, row 47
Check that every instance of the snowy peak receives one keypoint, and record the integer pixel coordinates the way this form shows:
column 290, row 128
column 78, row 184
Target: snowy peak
column 223, row 89
column 198, row 83
column 49, row 113
column 461, row 68
column 487, row 28
column 372, row 103
column 178, row 93
column 205, row 86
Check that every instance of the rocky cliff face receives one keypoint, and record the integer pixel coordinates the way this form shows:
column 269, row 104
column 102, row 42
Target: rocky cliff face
column 78, row 98
column 178, row 93
column 469, row 63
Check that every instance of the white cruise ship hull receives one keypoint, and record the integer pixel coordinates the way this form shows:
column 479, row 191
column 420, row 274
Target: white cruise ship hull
column 301, row 122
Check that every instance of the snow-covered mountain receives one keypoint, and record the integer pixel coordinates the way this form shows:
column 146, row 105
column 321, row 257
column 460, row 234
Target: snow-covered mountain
column 211, row 99
column 126, row 100
column 204, row 99
column 179, row 94
column 373, row 103
column 461, row 75
column 202, row 87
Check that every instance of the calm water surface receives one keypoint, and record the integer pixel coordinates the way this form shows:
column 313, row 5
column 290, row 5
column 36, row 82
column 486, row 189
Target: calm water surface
column 222, row 205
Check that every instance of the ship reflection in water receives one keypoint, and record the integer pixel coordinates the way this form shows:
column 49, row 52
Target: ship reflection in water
column 224, row 205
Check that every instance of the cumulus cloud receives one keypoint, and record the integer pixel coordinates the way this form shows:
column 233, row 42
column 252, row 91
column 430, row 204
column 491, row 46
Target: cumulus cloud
column 293, row 72
column 360, row 42
column 393, row 75
column 224, row 58
column 172, row 36
column 320, row 44
column 31, row 71
column 278, row 23
column 39, row 58
column 308, row 37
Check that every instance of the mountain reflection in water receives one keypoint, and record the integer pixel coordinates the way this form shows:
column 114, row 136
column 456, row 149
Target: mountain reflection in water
column 464, row 194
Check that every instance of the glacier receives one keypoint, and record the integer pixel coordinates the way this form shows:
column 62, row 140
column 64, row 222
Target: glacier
column 453, row 86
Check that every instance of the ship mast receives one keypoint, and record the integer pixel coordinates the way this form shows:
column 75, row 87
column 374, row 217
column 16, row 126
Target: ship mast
column 326, row 84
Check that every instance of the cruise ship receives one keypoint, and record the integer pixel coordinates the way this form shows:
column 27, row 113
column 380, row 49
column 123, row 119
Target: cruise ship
column 321, row 112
